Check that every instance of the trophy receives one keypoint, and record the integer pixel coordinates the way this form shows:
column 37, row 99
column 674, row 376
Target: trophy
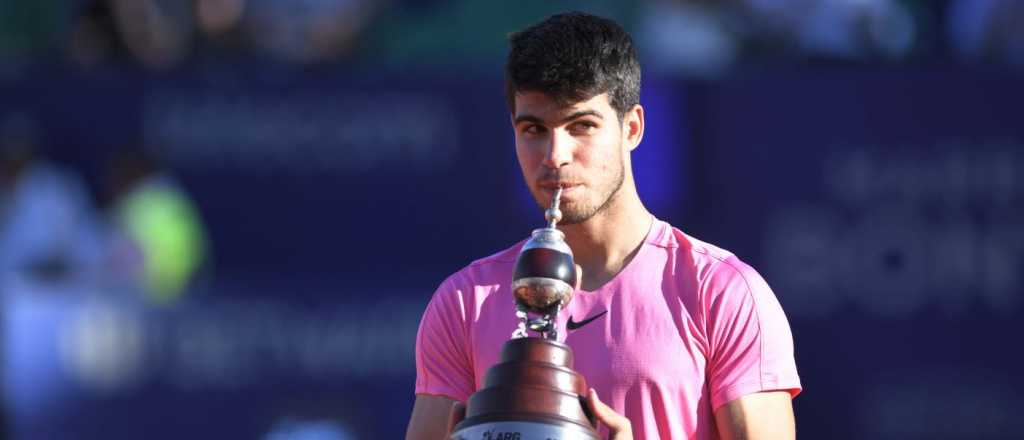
column 533, row 393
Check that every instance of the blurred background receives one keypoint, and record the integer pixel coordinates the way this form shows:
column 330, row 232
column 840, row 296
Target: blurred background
column 223, row 218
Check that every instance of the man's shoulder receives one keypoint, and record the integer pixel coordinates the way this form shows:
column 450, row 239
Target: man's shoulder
column 710, row 262
column 701, row 252
column 503, row 257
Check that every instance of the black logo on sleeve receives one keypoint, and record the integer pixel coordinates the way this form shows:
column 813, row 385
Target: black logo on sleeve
column 572, row 325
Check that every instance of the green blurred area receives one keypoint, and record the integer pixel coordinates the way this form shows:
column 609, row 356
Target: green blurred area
column 470, row 28
column 30, row 26
column 166, row 226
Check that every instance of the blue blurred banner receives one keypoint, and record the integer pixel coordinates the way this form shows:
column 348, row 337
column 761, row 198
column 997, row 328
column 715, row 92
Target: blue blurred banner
column 84, row 364
column 886, row 209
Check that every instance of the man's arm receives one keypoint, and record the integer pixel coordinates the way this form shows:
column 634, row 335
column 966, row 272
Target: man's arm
column 757, row 416
column 433, row 417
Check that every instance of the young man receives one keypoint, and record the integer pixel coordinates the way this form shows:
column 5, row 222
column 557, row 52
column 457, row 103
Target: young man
column 686, row 341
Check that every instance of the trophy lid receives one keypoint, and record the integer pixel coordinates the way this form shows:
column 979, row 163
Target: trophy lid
column 547, row 238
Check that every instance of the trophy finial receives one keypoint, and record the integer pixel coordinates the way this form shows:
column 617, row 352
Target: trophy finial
column 554, row 215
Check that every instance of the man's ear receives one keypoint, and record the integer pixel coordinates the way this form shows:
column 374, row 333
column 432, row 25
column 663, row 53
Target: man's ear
column 633, row 126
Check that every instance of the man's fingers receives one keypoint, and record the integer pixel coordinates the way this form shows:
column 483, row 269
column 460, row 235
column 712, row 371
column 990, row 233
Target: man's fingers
column 619, row 427
column 606, row 415
column 457, row 413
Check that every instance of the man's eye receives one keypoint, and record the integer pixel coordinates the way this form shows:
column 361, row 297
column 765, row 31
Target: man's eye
column 533, row 129
column 583, row 127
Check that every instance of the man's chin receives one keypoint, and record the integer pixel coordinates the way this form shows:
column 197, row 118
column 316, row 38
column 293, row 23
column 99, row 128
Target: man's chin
column 571, row 214
column 575, row 216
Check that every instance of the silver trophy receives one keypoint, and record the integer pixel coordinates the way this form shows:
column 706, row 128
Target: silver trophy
column 533, row 393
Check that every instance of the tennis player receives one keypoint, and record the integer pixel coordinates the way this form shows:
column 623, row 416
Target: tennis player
column 678, row 338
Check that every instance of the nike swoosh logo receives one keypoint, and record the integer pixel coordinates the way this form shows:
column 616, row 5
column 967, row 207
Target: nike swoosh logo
column 572, row 325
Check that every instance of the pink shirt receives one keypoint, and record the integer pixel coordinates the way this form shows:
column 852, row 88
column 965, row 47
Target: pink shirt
column 689, row 328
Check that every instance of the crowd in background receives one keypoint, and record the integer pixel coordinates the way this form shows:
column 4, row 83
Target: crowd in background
column 690, row 37
column 141, row 234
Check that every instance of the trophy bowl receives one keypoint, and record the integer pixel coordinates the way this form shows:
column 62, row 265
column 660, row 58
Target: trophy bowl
column 545, row 274
column 541, row 295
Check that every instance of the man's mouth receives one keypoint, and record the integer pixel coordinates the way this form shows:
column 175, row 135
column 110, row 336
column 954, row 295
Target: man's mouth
column 567, row 187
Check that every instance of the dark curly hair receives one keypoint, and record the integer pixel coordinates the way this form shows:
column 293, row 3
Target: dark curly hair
column 573, row 57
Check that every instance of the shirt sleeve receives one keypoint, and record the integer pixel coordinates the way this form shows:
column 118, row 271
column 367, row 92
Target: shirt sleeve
column 750, row 340
column 443, row 365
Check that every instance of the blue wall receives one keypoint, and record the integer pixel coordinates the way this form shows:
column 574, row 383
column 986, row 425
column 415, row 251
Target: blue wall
column 883, row 206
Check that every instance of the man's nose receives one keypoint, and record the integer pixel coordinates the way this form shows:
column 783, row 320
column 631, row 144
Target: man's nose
column 560, row 150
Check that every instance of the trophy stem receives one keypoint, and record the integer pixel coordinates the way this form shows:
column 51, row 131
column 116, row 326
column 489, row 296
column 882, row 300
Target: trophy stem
column 553, row 214
column 545, row 324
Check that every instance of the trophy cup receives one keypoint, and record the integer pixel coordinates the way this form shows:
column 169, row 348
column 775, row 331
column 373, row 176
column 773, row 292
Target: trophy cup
column 533, row 393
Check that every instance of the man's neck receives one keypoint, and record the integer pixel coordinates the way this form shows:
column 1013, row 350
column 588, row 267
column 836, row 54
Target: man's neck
column 604, row 244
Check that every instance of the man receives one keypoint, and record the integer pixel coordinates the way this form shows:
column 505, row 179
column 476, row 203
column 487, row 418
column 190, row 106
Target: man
column 683, row 341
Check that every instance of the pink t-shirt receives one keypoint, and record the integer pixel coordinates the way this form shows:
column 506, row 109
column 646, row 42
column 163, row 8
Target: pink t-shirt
column 689, row 327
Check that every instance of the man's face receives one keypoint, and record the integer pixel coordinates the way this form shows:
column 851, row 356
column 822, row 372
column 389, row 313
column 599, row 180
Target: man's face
column 578, row 147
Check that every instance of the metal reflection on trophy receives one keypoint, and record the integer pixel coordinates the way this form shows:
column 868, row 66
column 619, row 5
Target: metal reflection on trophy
column 532, row 393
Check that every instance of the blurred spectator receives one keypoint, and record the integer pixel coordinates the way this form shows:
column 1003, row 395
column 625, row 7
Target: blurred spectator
column 988, row 29
column 94, row 37
column 847, row 29
column 155, row 214
column 857, row 29
column 220, row 24
column 157, row 32
column 48, row 228
column 687, row 37
column 217, row 17
column 308, row 30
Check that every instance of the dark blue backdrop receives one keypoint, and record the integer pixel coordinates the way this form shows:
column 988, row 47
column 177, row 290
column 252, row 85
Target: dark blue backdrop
column 884, row 207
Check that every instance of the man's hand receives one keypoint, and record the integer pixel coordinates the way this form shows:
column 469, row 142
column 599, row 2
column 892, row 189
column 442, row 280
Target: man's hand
column 619, row 427
column 433, row 417
column 457, row 414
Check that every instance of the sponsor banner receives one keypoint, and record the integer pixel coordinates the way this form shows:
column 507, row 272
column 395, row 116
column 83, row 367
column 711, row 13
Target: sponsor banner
column 886, row 209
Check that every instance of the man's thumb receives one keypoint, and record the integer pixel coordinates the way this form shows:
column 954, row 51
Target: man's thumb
column 579, row 277
column 458, row 412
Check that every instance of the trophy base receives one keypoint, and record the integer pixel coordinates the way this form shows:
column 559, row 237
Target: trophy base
column 523, row 430
column 531, row 394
